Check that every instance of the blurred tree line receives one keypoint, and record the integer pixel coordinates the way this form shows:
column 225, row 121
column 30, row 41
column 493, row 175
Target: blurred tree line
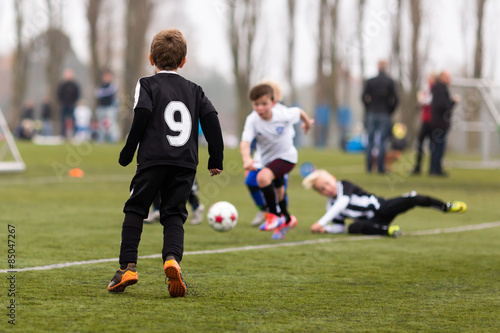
column 337, row 52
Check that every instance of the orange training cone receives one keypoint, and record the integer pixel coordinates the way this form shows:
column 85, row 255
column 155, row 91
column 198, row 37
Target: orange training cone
column 76, row 173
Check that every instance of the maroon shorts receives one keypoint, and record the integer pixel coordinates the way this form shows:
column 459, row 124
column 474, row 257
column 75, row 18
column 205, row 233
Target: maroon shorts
column 280, row 168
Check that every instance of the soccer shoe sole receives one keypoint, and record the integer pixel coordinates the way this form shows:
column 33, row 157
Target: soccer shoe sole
column 128, row 279
column 176, row 287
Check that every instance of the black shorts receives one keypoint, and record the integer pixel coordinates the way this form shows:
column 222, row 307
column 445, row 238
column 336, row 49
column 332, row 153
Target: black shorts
column 174, row 184
column 280, row 168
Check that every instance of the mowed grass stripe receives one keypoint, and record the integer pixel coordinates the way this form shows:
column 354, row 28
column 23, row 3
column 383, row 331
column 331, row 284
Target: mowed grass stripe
column 267, row 246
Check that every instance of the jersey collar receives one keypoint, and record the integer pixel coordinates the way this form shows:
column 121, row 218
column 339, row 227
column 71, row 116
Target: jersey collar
column 168, row 72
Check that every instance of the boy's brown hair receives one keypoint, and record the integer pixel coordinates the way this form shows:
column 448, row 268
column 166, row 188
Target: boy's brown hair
column 261, row 90
column 168, row 49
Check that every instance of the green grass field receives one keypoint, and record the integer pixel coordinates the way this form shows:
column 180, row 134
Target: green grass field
column 444, row 282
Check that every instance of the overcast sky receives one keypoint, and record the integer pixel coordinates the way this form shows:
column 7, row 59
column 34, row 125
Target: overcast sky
column 205, row 24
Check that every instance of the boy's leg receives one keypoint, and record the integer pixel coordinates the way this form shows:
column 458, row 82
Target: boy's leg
column 174, row 196
column 265, row 179
column 173, row 212
column 274, row 170
column 193, row 196
column 368, row 227
column 253, row 187
column 279, row 183
column 143, row 188
column 390, row 208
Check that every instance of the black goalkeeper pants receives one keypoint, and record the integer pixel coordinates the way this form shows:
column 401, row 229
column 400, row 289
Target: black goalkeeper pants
column 389, row 209
column 174, row 184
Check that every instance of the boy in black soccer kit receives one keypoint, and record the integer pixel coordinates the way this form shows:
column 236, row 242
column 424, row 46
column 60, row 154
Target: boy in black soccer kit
column 165, row 126
column 372, row 214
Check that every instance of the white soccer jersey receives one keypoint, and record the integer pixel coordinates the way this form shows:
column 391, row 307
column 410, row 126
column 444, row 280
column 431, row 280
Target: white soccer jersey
column 275, row 136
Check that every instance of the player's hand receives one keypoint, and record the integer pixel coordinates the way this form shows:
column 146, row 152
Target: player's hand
column 456, row 98
column 125, row 158
column 317, row 228
column 214, row 172
column 306, row 126
column 248, row 165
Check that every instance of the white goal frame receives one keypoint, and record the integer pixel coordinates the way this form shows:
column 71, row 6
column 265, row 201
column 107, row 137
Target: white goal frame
column 488, row 125
column 14, row 162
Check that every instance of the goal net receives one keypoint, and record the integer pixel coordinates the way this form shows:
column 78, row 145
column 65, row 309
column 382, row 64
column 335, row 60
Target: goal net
column 10, row 159
column 476, row 123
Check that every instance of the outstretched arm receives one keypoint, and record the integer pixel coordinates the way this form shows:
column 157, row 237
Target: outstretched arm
column 331, row 213
column 245, row 155
column 307, row 123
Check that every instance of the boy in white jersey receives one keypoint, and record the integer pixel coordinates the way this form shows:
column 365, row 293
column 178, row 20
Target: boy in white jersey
column 273, row 130
column 372, row 214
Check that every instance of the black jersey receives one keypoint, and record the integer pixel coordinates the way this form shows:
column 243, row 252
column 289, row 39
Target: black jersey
column 361, row 203
column 176, row 105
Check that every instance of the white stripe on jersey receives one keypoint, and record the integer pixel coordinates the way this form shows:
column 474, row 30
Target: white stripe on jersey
column 136, row 95
column 354, row 214
column 364, row 201
column 360, row 206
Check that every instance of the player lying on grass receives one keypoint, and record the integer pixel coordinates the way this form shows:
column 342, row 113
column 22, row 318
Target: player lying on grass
column 273, row 130
column 372, row 214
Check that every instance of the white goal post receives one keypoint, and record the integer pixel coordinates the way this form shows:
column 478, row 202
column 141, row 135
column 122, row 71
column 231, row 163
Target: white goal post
column 476, row 94
column 10, row 158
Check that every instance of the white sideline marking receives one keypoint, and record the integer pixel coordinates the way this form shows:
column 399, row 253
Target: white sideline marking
column 266, row 246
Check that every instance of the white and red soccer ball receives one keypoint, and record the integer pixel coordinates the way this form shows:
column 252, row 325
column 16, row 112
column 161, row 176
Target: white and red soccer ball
column 222, row 216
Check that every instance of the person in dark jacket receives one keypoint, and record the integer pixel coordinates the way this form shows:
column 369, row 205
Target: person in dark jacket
column 441, row 111
column 380, row 99
column 68, row 94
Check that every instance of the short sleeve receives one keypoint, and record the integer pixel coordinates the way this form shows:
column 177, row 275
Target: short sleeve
column 248, row 130
column 294, row 115
column 143, row 98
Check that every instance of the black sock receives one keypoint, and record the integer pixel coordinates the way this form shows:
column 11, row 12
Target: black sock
column 131, row 236
column 426, row 201
column 270, row 197
column 284, row 210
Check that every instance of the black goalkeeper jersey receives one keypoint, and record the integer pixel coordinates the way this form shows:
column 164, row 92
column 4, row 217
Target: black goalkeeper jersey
column 176, row 105
column 361, row 204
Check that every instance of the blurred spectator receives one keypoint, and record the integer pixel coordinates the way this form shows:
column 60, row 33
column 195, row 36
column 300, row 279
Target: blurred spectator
column 380, row 99
column 83, row 114
column 107, row 109
column 322, row 124
column 441, row 111
column 424, row 98
column 344, row 123
column 46, row 118
column 68, row 94
column 26, row 128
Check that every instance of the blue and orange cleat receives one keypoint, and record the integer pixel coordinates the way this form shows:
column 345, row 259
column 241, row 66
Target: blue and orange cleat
column 272, row 222
column 280, row 232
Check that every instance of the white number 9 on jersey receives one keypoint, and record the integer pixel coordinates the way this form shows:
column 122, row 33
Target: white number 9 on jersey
column 183, row 126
